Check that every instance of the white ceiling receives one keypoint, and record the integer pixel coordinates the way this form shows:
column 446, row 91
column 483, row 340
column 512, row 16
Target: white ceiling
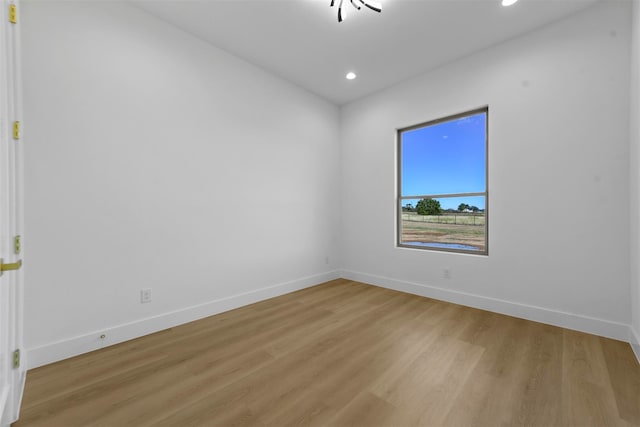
column 302, row 41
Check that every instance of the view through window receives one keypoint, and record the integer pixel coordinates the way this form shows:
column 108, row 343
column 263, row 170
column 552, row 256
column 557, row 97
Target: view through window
column 442, row 184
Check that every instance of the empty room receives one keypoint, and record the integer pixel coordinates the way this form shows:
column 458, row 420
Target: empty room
column 320, row 212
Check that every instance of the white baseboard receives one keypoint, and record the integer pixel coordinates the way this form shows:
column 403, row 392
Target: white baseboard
column 77, row 345
column 634, row 340
column 74, row 346
column 605, row 328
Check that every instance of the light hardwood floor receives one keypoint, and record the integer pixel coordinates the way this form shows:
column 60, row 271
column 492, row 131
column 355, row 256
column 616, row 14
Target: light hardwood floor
column 345, row 354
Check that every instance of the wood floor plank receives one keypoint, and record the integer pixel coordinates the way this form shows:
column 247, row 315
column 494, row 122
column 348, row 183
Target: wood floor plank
column 587, row 389
column 624, row 376
column 344, row 353
column 541, row 388
column 179, row 390
column 484, row 400
column 385, row 347
column 286, row 377
column 439, row 387
column 210, row 370
column 366, row 410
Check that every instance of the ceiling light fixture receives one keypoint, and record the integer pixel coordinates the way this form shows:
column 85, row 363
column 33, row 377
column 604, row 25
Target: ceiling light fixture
column 350, row 75
column 342, row 15
column 508, row 2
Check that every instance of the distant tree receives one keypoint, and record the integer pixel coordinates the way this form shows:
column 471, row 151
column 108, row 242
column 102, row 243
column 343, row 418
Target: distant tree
column 462, row 207
column 428, row 207
column 474, row 208
column 409, row 207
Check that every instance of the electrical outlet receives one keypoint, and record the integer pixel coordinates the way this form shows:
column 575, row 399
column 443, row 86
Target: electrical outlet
column 446, row 273
column 326, row 260
column 145, row 295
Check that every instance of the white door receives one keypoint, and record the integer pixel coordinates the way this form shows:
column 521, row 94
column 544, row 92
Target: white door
column 12, row 361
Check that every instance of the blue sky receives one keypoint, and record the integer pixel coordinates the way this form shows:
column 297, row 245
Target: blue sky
column 446, row 158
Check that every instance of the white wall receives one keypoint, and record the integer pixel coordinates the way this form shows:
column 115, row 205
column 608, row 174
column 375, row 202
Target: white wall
column 635, row 178
column 558, row 176
column 154, row 160
column 144, row 145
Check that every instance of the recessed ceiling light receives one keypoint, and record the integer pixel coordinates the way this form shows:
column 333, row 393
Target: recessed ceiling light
column 350, row 75
column 508, row 2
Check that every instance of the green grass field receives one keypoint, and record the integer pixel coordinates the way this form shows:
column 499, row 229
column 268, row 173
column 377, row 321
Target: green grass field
column 460, row 229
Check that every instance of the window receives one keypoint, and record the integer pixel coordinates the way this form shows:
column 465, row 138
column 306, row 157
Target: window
column 442, row 184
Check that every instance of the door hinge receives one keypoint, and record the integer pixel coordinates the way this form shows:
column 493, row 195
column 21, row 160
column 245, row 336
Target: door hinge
column 13, row 14
column 16, row 130
column 17, row 245
column 16, row 359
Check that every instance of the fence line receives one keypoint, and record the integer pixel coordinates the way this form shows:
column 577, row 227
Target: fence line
column 445, row 219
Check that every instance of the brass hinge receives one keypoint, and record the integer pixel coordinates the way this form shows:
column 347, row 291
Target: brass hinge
column 13, row 14
column 17, row 245
column 16, row 359
column 16, row 130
